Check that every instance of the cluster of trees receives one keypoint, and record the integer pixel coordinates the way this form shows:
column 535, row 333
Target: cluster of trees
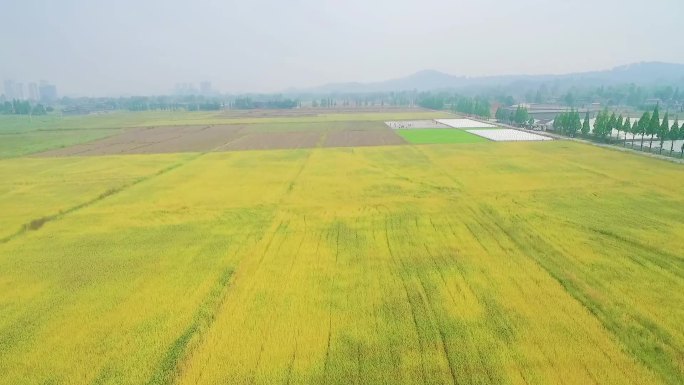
column 477, row 106
column 519, row 117
column 430, row 101
column 569, row 123
column 246, row 103
column 649, row 124
column 325, row 103
column 87, row 105
column 22, row 107
column 473, row 106
column 189, row 103
column 373, row 99
column 464, row 104
column 207, row 106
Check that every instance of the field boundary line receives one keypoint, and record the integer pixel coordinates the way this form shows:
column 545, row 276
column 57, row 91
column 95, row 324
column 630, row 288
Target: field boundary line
column 539, row 252
column 169, row 368
column 32, row 154
column 37, row 224
column 400, row 270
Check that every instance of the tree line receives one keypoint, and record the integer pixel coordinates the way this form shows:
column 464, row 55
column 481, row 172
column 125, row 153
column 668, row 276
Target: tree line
column 476, row 106
column 247, row 103
column 473, row 106
column 650, row 124
column 520, row 116
column 23, row 107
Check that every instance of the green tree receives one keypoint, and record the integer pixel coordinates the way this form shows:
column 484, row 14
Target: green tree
column 674, row 134
column 576, row 123
column 569, row 99
column 38, row 109
column 521, row 116
column 681, row 136
column 663, row 131
column 500, row 114
column 565, row 123
column 644, row 123
column 597, row 124
column 611, row 124
column 618, row 126
column 653, row 127
column 601, row 124
column 626, row 128
column 585, row 126
column 634, row 130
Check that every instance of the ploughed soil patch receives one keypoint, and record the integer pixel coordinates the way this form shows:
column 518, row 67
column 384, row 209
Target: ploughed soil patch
column 235, row 137
column 274, row 140
column 154, row 140
column 354, row 138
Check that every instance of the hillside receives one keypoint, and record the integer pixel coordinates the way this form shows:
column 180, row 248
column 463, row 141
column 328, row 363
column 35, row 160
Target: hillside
column 646, row 73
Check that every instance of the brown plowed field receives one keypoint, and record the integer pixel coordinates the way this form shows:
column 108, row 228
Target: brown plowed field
column 354, row 138
column 155, row 140
column 235, row 137
column 274, row 141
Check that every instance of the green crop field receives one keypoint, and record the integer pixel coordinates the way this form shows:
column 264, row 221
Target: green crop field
column 439, row 135
column 486, row 263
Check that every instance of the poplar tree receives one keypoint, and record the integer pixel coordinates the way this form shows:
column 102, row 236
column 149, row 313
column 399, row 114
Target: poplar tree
column 563, row 123
column 618, row 126
column 598, row 124
column 576, row 123
column 634, row 130
column 627, row 127
column 611, row 124
column 663, row 131
column 681, row 136
column 585, row 126
column 674, row 134
column 644, row 123
column 653, row 127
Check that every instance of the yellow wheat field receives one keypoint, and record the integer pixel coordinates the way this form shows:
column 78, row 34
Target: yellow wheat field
column 488, row 263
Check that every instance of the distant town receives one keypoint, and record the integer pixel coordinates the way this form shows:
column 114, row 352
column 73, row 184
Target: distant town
column 41, row 91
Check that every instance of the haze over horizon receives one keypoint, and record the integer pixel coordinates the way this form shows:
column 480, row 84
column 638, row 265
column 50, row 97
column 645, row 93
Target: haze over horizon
column 126, row 47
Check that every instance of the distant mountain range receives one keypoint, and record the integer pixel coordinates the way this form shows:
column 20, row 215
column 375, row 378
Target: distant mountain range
column 647, row 73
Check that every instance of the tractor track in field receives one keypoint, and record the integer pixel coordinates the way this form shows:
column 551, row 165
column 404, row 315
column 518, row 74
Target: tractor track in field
column 330, row 310
column 285, row 287
column 539, row 251
column 170, row 368
column 402, row 275
column 492, row 233
column 37, row 224
column 167, row 374
column 167, row 371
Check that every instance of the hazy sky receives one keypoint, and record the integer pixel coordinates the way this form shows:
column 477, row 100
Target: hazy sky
column 146, row 46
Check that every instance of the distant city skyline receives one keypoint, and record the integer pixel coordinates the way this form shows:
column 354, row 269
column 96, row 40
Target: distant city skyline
column 42, row 91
